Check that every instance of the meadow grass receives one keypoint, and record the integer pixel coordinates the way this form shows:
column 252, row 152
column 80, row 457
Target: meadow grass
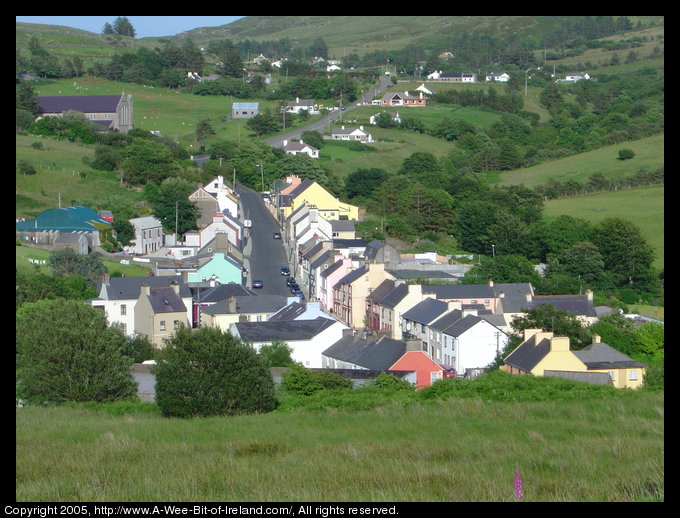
column 643, row 206
column 441, row 449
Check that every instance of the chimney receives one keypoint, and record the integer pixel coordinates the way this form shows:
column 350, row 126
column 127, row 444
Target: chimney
column 528, row 296
column 175, row 286
column 285, row 142
column 597, row 339
column 231, row 304
column 559, row 344
column 454, row 304
column 106, row 279
column 589, row 295
column 297, row 100
column 146, row 290
column 414, row 344
column 490, row 283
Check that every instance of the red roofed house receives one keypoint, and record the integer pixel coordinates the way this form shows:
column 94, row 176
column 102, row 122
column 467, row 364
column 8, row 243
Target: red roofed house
column 427, row 370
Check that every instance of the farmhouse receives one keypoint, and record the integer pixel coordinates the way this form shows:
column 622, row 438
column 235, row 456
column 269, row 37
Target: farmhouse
column 244, row 110
column 111, row 112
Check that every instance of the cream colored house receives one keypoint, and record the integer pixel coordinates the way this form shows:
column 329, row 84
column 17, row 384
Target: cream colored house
column 350, row 293
column 159, row 312
column 243, row 308
column 308, row 191
column 543, row 354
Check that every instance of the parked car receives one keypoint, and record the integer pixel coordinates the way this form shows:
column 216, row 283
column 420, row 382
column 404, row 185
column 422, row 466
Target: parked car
column 298, row 293
column 290, row 281
column 277, row 235
column 257, row 284
column 285, row 270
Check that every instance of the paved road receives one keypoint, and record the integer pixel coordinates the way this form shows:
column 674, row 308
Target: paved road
column 321, row 125
column 264, row 254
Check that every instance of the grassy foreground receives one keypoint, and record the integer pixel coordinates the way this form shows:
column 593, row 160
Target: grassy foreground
column 455, row 450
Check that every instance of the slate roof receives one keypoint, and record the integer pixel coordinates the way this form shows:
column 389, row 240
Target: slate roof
column 286, row 330
column 374, row 354
column 426, row 311
column 331, row 268
column 599, row 356
column 224, row 291
column 352, row 276
column 129, row 288
column 165, row 300
column 81, row 103
column 528, row 354
column 576, row 304
column 245, row 106
column 249, row 304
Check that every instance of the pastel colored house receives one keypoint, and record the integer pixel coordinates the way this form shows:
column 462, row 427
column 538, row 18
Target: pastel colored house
column 243, row 308
column 329, row 278
column 386, row 304
column 221, row 267
column 403, row 99
column 308, row 191
column 350, row 292
column 427, row 370
column 160, row 312
column 118, row 297
column 227, row 200
column 543, row 354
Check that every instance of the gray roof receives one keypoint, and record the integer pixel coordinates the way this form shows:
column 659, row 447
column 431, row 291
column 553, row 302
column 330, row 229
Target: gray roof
column 374, row 354
column 576, row 304
column 343, row 225
column 352, row 276
column 286, row 330
column 327, row 271
column 602, row 356
column 224, row 291
column 249, row 304
column 165, row 300
column 426, row 311
column 81, row 103
column 245, row 106
column 514, row 295
column 460, row 291
column 528, row 354
column 461, row 325
column 127, row 288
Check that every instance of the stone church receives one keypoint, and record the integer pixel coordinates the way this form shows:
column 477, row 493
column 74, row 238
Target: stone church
column 112, row 112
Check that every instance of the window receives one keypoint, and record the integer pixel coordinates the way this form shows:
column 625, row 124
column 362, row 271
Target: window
column 162, row 325
column 632, row 375
column 123, row 309
column 175, row 324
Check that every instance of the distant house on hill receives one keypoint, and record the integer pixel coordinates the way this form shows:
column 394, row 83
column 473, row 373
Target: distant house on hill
column 111, row 112
column 244, row 110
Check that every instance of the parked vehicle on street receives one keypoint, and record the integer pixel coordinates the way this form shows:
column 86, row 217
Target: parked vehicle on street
column 257, row 284
column 285, row 270
column 277, row 235
column 298, row 293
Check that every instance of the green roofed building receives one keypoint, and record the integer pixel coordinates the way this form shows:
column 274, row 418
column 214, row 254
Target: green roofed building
column 50, row 224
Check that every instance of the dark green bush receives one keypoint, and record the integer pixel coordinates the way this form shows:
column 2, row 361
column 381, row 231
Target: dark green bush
column 305, row 382
column 209, row 372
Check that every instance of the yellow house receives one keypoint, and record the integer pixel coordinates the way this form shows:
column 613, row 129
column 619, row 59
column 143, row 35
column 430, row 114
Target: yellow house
column 159, row 312
column 310, row 192
column 543, row 354
column 244, row 308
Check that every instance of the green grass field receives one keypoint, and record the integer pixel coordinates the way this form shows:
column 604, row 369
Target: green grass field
column 642, row 206
column 606, row 449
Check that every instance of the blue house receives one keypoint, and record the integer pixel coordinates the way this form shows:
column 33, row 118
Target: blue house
column 223, row 267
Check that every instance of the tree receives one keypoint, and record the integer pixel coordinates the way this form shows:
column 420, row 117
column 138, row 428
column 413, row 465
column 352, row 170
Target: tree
column 67, row 352
column 26, row 168
column 66, row 262
column 171, row 205
column 123, row 27
column 277, row 354
column 208, row 372
column 560, row 322
column 363, row 182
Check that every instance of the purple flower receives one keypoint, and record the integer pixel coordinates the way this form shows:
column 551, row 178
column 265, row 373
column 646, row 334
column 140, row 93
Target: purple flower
column 518, row 485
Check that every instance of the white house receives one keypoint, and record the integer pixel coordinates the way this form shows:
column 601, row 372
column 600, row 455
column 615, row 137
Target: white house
column 119, row 295
column 576, row 77
column 351, row 134
column 464, row 341
column 301, row 105
column 502, row 78
column 148, row 235
column 299, row 147
column 221, row 224
column 307, row 338
column 226, row 198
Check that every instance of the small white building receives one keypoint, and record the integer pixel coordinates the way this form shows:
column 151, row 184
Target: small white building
column 148, row 235
column 493, row 76
column 357, row 134
column 299, row 147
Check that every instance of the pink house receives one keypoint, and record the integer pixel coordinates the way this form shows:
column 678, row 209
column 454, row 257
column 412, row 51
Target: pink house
column 328, row 278
column 427, row 370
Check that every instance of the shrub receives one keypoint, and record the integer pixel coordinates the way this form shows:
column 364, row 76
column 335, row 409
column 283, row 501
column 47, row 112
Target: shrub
column 67, row 352
column 209, row 372
column 390, row 382
column 626, row 154
column 305, row 382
